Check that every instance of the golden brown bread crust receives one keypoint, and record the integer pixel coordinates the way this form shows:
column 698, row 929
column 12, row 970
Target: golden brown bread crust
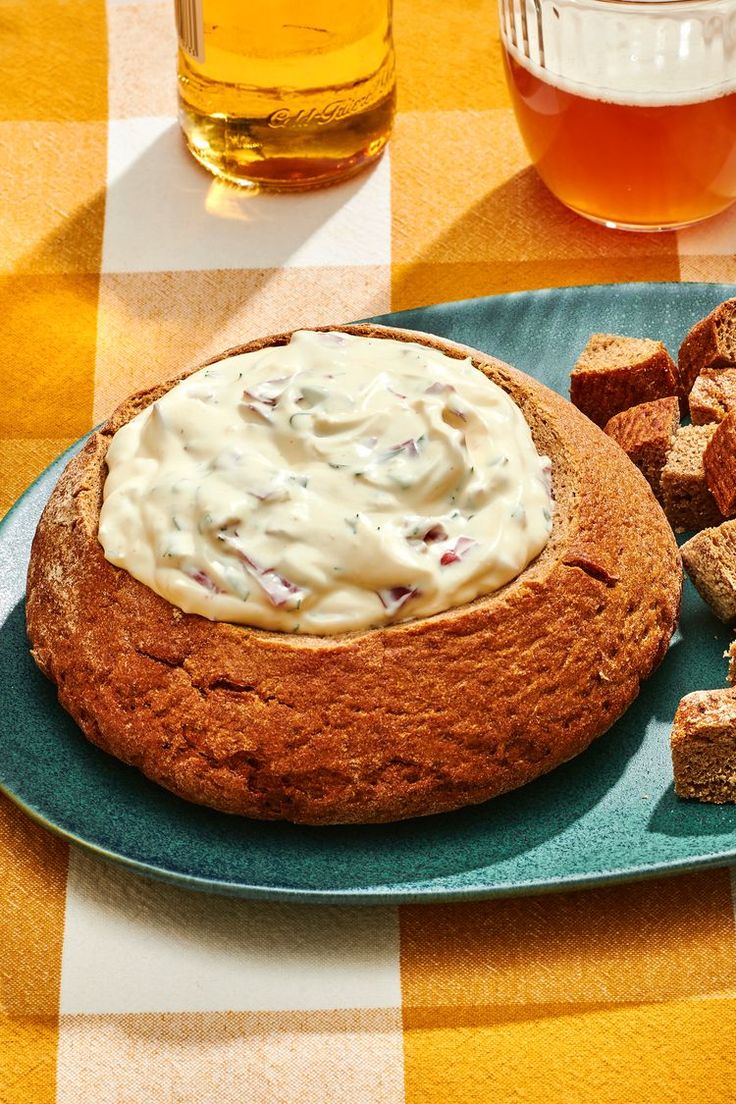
column 646, row 433
column 710, row 560
column 719, row 461
column 713, row 396
column 380, row 725
column 688, row 503
column 709, row 345
column 614, row 373
column 703, row 745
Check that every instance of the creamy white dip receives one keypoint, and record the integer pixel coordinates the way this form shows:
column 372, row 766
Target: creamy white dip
column 333, row 484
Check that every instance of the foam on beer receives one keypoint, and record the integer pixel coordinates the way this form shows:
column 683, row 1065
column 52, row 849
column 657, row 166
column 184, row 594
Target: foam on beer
column 650, row 72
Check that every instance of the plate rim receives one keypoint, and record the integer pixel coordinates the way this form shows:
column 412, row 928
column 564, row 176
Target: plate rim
column 374, row 895
column 423, row 892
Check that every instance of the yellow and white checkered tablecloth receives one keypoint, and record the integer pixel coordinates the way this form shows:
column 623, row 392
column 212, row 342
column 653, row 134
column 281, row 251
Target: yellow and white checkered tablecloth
column 122, row 262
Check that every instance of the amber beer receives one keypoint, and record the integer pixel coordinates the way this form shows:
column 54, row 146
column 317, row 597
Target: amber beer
column 627, row 159
column 285, row 93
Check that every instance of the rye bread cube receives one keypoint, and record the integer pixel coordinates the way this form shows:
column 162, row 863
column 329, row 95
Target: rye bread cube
column 687, row 502
column 719, row 460
column 614, row 373
column 704, row 746
column 710, row 560
column 713, row 396
column 710, row 344
column 730, row 655
column 646, row 433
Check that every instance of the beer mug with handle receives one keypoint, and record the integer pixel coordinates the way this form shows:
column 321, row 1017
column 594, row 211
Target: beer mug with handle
column 627, row 107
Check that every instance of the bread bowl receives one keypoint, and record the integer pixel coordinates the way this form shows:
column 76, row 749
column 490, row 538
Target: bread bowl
column 410, row 719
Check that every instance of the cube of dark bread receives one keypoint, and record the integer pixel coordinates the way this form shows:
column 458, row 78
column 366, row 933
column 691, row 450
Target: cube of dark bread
column 710, row 344
column 713, row 395
column 646, row 433
column 719, row 461
column 614, row 373
column 687, row 502
column 710, row 561
column 704, row 746
column 731, row 657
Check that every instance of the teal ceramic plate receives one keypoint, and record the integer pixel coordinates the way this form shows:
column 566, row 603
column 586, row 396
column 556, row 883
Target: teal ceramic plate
column 609, row 815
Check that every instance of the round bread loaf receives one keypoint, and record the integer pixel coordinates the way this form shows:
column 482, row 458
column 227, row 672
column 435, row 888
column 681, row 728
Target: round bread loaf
column 415, row 718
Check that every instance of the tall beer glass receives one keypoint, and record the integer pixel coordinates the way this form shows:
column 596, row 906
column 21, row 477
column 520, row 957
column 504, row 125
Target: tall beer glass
column 285, row 94
column 627, row 107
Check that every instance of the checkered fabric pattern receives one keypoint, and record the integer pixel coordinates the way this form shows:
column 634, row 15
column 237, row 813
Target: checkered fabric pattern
column 122, row 263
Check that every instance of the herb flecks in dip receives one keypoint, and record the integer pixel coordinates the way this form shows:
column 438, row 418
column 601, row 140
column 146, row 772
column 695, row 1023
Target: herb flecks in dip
column 333, row 484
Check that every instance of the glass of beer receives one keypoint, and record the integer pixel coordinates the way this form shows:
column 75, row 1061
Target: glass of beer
column 285, row 94
column 627, row 107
